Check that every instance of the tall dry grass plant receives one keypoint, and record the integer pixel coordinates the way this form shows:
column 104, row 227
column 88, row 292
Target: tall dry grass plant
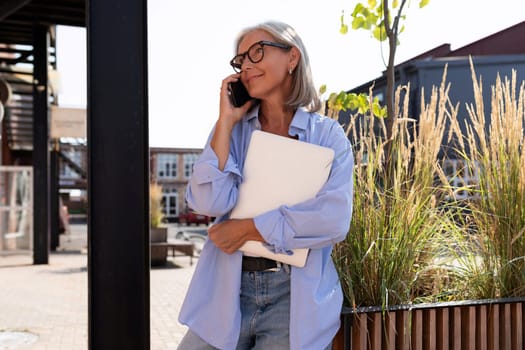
column 398, row 223
column 493, row 263
column 156, row 213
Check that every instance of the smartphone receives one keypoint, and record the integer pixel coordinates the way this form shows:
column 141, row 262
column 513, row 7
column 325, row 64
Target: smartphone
column 238, row 93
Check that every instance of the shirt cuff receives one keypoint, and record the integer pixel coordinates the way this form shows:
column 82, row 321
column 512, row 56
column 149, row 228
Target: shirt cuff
column 207, row 168
column 268, row 224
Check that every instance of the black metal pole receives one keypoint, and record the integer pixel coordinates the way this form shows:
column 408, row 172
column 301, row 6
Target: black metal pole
column 118, row 176
column 40, row 146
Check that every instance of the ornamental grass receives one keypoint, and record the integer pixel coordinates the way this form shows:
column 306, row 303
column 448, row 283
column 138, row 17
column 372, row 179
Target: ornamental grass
column 491, row 261
column 156, row 213
column 400, row 214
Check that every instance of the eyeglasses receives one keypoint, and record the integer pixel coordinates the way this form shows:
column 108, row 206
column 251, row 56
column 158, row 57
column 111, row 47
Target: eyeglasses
column 255, row 53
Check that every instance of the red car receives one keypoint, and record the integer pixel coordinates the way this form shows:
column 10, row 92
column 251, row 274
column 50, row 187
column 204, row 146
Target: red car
column 191, row 217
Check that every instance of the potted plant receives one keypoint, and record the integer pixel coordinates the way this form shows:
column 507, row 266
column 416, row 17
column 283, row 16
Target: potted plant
column 420, row 268
column 416, row 269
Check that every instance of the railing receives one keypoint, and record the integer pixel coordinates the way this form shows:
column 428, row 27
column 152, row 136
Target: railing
column 16, row 208
column 479, row 324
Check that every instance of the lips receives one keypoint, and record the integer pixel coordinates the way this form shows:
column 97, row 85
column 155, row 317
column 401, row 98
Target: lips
column 252, row 78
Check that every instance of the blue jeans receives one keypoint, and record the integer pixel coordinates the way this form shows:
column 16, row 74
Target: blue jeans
column 265, row 309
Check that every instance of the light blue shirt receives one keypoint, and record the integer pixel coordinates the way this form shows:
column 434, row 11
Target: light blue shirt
column 211, row 308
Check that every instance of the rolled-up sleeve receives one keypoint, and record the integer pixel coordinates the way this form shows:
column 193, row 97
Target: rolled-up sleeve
column 320, row 221
column 211, row 191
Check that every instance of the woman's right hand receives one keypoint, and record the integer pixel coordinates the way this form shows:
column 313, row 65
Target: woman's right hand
column 228, row 113
column 228, row 117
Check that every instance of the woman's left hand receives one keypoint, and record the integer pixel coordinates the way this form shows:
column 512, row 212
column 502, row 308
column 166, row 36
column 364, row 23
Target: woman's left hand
column 230, row 235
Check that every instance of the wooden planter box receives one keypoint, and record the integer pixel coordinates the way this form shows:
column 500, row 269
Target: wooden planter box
column 159, row 253
column 476, row 324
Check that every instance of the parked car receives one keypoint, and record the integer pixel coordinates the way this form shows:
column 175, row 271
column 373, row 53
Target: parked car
column 191, row 217
column 197, row 236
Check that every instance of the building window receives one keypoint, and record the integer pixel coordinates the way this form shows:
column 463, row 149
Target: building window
column 170, row 200
column 166, row 166
column 189, row 160
column 461, row 178
column 65, row 170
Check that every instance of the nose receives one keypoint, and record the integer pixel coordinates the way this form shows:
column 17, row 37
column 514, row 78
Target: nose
column 246, row 64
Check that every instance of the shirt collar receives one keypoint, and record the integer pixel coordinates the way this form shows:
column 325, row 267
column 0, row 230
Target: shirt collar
column 299, row 121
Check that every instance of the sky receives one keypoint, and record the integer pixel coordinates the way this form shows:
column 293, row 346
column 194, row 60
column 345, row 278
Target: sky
column 190, row 44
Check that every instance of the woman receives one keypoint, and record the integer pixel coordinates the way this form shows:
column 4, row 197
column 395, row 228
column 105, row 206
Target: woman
column 234, row 302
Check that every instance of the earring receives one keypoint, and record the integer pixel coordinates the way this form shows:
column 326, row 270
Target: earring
column 290, row 71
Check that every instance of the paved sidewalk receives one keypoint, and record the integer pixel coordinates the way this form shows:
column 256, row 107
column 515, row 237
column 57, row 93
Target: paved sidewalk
column 50, row 301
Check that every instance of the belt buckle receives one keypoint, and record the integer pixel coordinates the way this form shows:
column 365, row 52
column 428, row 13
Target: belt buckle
column 274, row 269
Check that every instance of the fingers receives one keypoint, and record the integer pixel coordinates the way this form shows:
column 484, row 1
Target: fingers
column 229, row 79
column 225, row 102
column 224, row 236
column 227, row 110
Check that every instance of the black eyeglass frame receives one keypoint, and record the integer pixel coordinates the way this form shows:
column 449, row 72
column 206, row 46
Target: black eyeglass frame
column 238, row 68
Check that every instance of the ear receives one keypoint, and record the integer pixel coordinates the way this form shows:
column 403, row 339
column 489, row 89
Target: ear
column 294, row 56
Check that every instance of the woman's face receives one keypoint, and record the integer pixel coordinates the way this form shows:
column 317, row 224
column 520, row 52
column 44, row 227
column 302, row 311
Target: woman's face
column 269, row 77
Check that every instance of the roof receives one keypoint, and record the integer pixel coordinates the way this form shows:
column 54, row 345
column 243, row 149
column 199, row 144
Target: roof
column 505, row 42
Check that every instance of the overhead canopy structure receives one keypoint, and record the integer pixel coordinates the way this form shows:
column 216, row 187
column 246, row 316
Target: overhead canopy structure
column 18, row 16
column 17, row 21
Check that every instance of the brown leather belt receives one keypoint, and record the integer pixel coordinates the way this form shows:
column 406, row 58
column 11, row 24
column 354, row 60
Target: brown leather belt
column 250, row 263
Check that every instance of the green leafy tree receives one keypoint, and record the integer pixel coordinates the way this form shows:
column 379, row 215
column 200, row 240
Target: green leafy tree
column 383, row 19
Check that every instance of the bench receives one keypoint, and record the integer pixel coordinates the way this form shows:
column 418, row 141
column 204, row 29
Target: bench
column 161, row 250
column 160, row 247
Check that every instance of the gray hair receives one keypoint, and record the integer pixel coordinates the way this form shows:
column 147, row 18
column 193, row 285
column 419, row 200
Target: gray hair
column 303, row 92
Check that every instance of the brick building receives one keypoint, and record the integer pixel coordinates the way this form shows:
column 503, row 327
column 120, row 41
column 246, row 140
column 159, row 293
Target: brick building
column 171, row 168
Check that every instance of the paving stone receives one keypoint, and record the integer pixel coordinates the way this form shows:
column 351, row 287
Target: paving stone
column 50, row 300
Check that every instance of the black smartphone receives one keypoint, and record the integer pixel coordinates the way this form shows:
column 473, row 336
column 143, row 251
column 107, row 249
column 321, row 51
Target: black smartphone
column 238, row 93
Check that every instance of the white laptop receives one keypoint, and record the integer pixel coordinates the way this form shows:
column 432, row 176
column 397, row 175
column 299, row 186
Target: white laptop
column 279, row 171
